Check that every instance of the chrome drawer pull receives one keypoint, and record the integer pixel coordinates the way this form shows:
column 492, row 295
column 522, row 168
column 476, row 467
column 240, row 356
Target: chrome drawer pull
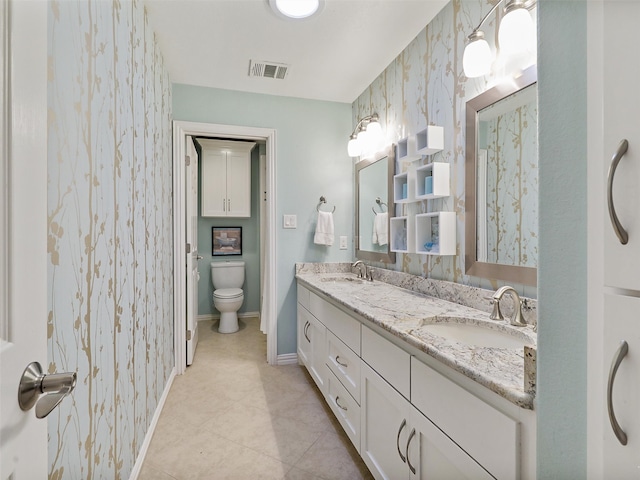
column 306, row 327
column 402, row 425
column 411, row 435
column 338, row 404
column 339, row 362
column 617, row 226
column 622, row 351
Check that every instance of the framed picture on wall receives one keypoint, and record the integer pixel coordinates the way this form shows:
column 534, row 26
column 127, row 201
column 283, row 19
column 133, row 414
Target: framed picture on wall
column 226, row 241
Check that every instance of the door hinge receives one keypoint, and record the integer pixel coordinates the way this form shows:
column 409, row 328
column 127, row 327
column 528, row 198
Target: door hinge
column 188, row 248
column 188, row 335
column 187, row 160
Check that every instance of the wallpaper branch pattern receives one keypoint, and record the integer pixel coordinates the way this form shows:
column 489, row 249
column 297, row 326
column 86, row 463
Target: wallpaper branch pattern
column 110, row 229
column 426, row 85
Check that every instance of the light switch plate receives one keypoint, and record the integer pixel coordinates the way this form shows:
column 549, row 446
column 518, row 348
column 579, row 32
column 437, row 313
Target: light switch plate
column 290, row 221
column 343, row 242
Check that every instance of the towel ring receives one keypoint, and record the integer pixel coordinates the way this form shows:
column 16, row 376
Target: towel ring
column 324, row 200
column 380, row 203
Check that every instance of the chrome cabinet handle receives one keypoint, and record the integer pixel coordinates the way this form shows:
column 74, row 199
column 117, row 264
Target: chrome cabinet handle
column 402, row 425
column 622, row 234
column 622, row 351
column 229, row 204
column 224, row 204
column 44, row 391
column 339, row 362
column 306, row 327
column 411, row 435
column 199, row 257
column 338, row 404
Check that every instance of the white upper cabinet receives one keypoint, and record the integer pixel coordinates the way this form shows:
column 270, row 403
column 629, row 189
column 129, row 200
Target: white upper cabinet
column 226, row 178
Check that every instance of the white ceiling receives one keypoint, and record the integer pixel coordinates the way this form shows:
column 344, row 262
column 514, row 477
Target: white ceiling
column 333, row 56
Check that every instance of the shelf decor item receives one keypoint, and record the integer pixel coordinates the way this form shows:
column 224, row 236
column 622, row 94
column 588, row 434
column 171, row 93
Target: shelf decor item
column 226, row 241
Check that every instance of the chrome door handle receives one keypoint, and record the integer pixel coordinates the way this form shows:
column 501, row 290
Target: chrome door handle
column 199, row 257
column 338, row 404
column 622, row 234
column 622, row 351
column 411, row 435
column 306, row 327
column 339, row 362
column 53, row 388
column 402, row 425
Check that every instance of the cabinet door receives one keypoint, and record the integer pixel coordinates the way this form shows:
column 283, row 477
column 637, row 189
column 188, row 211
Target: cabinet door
column 433, row 455
column 384, row 417
column 621, row 106
column 214, row 184
column 304, row 341
column 238, row 184
column 622, row 323
column 317, row 333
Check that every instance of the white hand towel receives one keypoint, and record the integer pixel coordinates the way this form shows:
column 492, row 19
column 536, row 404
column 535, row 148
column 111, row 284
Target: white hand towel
column 324, row 229
column 380, row 233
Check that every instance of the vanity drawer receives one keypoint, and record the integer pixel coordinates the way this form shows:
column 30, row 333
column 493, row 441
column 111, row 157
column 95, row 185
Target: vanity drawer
column 346, row 328
column 485, row 433
column 389, row 361
column 345, row 364
column 303, row 296
column 345, row 408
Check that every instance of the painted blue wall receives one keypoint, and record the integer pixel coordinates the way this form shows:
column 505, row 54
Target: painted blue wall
column 562, row 273
column 311, row 160
column 250, row 246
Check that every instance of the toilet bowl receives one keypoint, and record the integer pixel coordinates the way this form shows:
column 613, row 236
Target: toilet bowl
column 227, row 279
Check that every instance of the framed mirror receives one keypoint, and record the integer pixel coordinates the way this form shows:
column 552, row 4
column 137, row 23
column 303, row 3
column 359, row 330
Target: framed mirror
column 374, row 206
column 501, row 186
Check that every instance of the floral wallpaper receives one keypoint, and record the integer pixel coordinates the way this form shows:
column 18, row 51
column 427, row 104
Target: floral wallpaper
column 110, row 230
column 426, row 85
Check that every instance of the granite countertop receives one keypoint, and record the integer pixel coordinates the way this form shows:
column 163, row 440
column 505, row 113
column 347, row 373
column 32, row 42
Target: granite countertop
column 403, row 312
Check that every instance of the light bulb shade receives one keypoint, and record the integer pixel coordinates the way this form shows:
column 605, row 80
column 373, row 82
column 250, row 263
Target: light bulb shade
column 296, row 8
column 354, row 148
column 374, row 129
column 516, row 34
column 477, row 57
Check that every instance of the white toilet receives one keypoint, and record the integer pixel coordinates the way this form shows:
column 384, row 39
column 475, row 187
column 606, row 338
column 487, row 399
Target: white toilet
column 227, row 279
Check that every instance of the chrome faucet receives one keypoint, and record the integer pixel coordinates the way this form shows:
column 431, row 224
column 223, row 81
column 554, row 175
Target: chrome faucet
column 367, row 274
column 516, row 318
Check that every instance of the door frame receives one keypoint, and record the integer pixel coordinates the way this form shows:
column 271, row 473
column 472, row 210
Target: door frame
column 180, row 131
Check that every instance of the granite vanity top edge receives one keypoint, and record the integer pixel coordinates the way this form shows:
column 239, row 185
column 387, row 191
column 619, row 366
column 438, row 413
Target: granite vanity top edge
column 516, row 395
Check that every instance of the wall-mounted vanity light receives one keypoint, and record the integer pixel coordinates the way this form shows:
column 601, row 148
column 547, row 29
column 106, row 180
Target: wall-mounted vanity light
column 516, row 35
column 366, row 137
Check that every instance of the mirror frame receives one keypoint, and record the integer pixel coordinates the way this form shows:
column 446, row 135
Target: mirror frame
column 389, row 153
column 512, row 273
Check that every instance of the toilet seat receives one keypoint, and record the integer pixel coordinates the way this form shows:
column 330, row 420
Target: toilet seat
column 228, row 293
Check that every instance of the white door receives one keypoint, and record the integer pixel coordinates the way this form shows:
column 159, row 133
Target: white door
column 23, row 233
column 193, row 275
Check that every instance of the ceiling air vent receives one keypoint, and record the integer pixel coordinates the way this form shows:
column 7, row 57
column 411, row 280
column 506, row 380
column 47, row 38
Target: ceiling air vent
column 268, row 69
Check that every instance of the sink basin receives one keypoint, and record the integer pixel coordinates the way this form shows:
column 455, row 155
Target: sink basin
column 480, row 333
column 343, row 278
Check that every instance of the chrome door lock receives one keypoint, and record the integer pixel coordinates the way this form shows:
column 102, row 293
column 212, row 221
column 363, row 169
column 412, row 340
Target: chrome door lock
column 44, row 391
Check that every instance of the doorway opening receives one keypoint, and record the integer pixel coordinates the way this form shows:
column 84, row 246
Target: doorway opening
column 182, row 130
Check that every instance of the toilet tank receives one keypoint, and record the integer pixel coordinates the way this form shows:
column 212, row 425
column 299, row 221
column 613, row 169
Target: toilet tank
column 227, row 274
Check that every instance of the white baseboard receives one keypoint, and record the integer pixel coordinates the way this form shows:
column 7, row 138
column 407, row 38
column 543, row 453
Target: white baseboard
column 216, row 316
column 152, row 428
column 288, row 359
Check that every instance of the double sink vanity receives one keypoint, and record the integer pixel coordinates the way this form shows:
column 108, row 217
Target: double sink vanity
column 423, row 381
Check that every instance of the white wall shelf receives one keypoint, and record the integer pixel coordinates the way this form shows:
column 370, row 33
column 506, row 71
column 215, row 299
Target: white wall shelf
column 401, row 237
column 406, row 151
column 435, row 233
column 401, row 185
column 430, row 140
column 439, row 174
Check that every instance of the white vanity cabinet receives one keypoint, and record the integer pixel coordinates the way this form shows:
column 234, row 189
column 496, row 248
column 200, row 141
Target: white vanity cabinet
column 226, row 178
column 406, row 419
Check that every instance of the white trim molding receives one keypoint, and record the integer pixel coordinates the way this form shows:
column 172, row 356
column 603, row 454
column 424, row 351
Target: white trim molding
column 180, row 130
column 288, row 359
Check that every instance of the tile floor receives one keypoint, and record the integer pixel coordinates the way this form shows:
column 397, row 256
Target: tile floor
column 232, row 416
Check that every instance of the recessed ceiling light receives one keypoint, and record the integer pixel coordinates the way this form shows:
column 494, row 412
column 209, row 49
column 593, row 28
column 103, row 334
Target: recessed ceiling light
column 296, row 9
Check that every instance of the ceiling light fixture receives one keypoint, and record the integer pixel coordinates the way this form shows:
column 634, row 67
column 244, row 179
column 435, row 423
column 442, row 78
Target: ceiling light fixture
column 366, row 137
column 296, row 9
column 516, row 35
